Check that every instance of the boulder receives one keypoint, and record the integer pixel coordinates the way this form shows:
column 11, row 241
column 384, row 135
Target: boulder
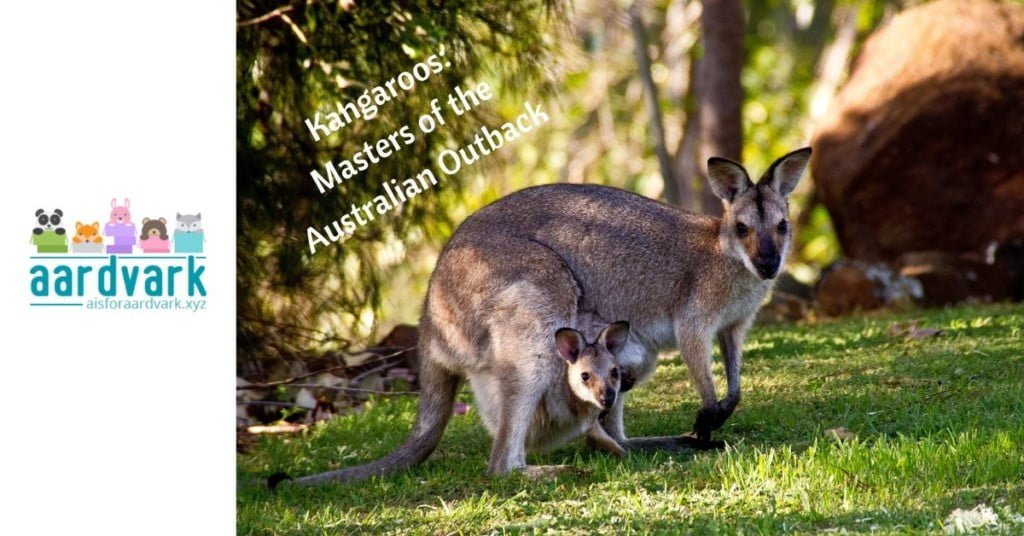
column 923, row 148
column 851, row 286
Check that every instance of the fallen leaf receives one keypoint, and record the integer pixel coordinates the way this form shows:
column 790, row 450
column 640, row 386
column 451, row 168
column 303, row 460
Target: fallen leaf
column 285, row 428
column 912, row 331
column 965, row 521
column 840, row 434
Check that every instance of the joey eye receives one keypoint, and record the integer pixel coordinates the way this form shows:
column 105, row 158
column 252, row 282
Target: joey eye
column 615, row 373
column 585, row 376
column 742, row 230
column 783, row 227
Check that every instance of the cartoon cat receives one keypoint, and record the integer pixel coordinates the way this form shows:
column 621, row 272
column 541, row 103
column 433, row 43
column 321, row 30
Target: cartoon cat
column 188, row 234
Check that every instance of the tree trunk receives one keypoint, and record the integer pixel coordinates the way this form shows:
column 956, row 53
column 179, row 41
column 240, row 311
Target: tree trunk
column 719, row 89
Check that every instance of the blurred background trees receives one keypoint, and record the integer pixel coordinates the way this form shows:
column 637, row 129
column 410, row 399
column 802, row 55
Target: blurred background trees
column 639, row 95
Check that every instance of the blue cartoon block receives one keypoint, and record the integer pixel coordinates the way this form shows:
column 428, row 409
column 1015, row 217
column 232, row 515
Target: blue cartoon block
column 185, row 242
column 188, row 233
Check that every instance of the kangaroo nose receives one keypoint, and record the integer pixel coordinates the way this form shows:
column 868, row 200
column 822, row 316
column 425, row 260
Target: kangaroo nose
column 767, row 268
column 609, row 398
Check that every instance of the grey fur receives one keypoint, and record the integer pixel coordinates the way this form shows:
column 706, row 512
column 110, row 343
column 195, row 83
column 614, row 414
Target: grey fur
column 522, row 267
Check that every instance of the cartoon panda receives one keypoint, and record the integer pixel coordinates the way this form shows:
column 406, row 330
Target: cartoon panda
column 49, row 221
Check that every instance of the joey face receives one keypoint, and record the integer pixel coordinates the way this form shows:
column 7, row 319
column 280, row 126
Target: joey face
column 593, row 371
column 755, row 223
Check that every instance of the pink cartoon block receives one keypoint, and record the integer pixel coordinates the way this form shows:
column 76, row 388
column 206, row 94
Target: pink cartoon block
column 155, row 244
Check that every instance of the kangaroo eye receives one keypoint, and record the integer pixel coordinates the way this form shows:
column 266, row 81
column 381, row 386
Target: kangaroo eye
column 742, row 230
column 615, row 372
column 783, row 227
column 585, row 376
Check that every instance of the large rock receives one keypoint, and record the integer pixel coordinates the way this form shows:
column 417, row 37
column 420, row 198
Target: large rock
column 923, row 149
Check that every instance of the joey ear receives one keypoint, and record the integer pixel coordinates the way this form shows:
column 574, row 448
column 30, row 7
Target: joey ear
column 570, row 343
column 614, row 336
column 728, row 179
column 785, row 173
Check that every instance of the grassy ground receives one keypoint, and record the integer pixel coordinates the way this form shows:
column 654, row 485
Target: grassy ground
column 939, row 425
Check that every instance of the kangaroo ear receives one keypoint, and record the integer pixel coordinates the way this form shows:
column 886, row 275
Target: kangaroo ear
column 614, row 336
column 570, row 343
column 785, row 173
column 728, row 179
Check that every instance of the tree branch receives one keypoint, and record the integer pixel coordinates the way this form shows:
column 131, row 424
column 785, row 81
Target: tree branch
column 311, row 374
column 636, row 23
column 266, row 16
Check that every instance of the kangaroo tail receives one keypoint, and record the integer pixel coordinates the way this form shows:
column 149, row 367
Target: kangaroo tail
column 437, row 398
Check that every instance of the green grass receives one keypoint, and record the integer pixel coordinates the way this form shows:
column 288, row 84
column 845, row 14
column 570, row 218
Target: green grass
column 939, row 425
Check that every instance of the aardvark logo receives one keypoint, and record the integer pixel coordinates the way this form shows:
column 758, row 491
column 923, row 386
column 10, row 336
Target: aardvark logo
column 117, row 264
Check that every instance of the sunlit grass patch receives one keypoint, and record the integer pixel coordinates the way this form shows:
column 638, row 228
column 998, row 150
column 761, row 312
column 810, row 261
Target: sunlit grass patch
column 929, row 425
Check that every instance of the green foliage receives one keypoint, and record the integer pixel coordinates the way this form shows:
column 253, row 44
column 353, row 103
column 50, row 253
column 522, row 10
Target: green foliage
column 306, row 58
column 318, row 54
column 937, row 424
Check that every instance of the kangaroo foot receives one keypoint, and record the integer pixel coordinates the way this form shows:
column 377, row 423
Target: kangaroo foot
column 712, row 418
column 684, row 443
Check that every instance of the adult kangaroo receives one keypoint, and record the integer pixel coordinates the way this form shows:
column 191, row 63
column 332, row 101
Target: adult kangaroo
column 536, row 260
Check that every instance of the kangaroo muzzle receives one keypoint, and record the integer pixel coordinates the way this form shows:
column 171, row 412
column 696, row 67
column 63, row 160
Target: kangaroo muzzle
column 768, row 259
column 767, row 268
column 608, row 399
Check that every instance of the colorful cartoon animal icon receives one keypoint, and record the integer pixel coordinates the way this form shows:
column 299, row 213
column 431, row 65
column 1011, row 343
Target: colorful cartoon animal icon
column 120, row 213
column 87, row 233
column 120, row 228
column 154, row 237
column 188, row 234
column 87, row 238
column 48, row 236
column 49, row 221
